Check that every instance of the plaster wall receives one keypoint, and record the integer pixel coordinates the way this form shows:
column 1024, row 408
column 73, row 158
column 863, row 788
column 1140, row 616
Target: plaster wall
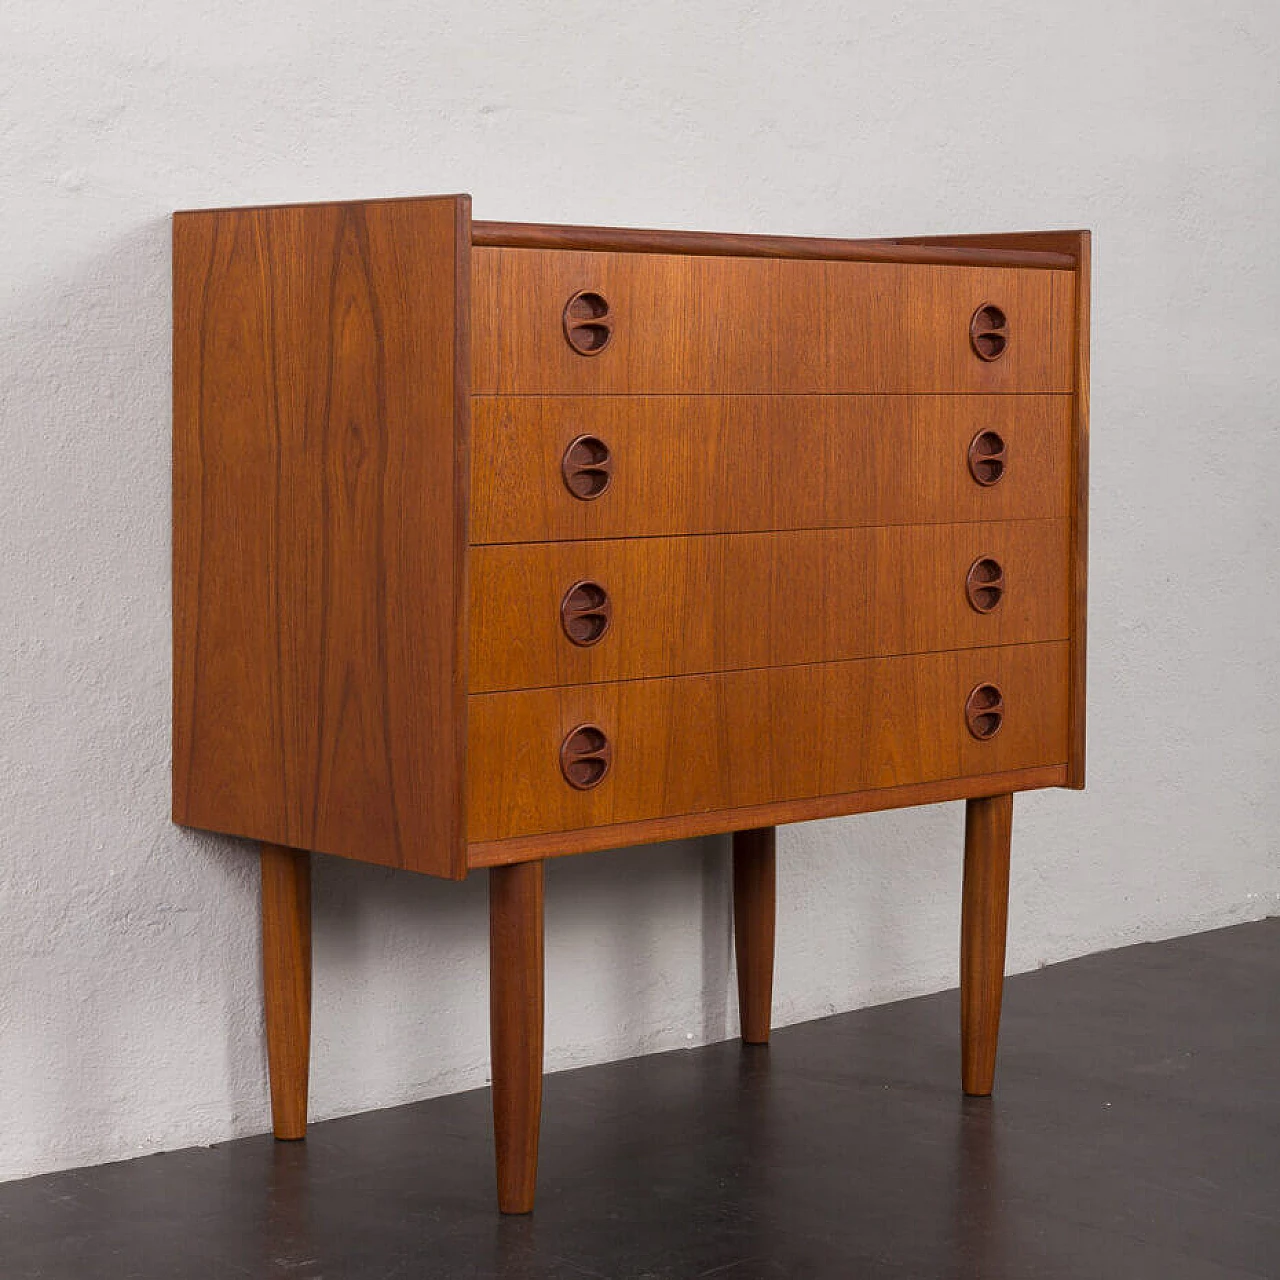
column 129, row 984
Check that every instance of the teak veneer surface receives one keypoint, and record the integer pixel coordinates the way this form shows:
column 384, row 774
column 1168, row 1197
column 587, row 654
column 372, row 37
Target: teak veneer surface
column 988, row 830
column 707, row 324
column 319, row 489
column 1080, row 510
column 687, row 826
column 954, row 251
column 516, row 1028
column 725, row 601
column 1078, row 246
column 370, row 648
column 724, row 741
column 322, row 399
column 707, row 464
column 1055, row 250
column 286, row 984
column 755, row 884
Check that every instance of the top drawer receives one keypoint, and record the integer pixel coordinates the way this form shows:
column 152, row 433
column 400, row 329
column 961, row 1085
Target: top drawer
column 568, row 321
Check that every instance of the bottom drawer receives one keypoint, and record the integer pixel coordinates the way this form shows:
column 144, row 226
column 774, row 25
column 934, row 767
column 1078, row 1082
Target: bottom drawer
column 690, row 744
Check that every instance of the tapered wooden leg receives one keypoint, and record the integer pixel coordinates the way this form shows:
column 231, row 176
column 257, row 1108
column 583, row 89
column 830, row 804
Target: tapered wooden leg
column 753, row 928
column 988, row 827
column 286, row 984
column 515, row 1028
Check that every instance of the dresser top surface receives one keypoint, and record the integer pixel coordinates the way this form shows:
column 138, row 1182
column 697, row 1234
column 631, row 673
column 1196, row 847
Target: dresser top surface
column 1053, row 250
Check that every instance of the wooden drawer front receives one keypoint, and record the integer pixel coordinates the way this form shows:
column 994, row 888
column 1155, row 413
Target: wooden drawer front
column 700, row 743
column 709, row 324
column 677, row 606
column 707, row 464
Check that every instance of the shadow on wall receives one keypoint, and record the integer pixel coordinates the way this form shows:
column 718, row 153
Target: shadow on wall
column 119, row 933
column 156, row 929
column 129, row 974
column 638, row 958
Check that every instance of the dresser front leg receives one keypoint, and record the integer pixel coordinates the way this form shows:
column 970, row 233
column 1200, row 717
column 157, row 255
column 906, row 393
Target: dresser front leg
column 988, row 828
column 515, row 1028
column 286, row 984
column 754, row 912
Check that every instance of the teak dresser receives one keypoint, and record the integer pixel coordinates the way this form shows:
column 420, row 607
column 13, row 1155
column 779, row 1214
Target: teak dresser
column 495, row 542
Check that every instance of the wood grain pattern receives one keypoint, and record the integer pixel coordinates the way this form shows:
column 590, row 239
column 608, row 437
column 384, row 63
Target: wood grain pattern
column 1065, row 244
column 496, row 853
column 516, row 1028
column 988, row 831
column 1080, row 518
column 785, row 540
column 320, row 481
column 717, row 325
column 754, row 916
column 712, row 464
column 725, row 602
column 286, row 984
column 697, row 743
column 1079, row 246
column 532, row 235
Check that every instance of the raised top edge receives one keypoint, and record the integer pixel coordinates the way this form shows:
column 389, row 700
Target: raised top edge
column 323, row 204
column 979, row 252
column 1056, row 250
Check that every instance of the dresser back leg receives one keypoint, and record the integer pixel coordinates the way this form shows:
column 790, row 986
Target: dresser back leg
column 754, row 911
column 988, row 827
column 515, row 1028
column 286, row 984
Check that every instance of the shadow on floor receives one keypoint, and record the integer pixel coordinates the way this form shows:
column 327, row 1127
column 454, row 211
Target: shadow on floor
column 1135, row 1133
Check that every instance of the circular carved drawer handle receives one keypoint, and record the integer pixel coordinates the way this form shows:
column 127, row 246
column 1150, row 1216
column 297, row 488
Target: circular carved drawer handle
column 984, row 584
column 585, row 756
column 989, row 332
column 588, row 327
column 988, row 457
column 585, row 613
column 587, row 467
column 984, row 711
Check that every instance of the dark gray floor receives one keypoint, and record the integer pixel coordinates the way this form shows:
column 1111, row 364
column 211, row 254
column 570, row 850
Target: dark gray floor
column 1135, row 1133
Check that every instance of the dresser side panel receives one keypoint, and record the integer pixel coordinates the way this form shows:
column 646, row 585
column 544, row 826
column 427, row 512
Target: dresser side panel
column 320, row 427
column 1080, row 519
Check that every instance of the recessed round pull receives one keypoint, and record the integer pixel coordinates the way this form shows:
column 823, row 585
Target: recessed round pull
column 988, row 457
column 989, row 332
column 984, row 711
column 585, row 756
column 587, row 467
column 984, row 584
column 585, row 613
column 588, row 326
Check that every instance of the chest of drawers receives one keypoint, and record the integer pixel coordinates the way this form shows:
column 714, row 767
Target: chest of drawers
column 499, row 542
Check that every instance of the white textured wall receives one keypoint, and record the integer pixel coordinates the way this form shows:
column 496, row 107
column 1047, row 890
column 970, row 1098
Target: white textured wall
column 128, row 966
